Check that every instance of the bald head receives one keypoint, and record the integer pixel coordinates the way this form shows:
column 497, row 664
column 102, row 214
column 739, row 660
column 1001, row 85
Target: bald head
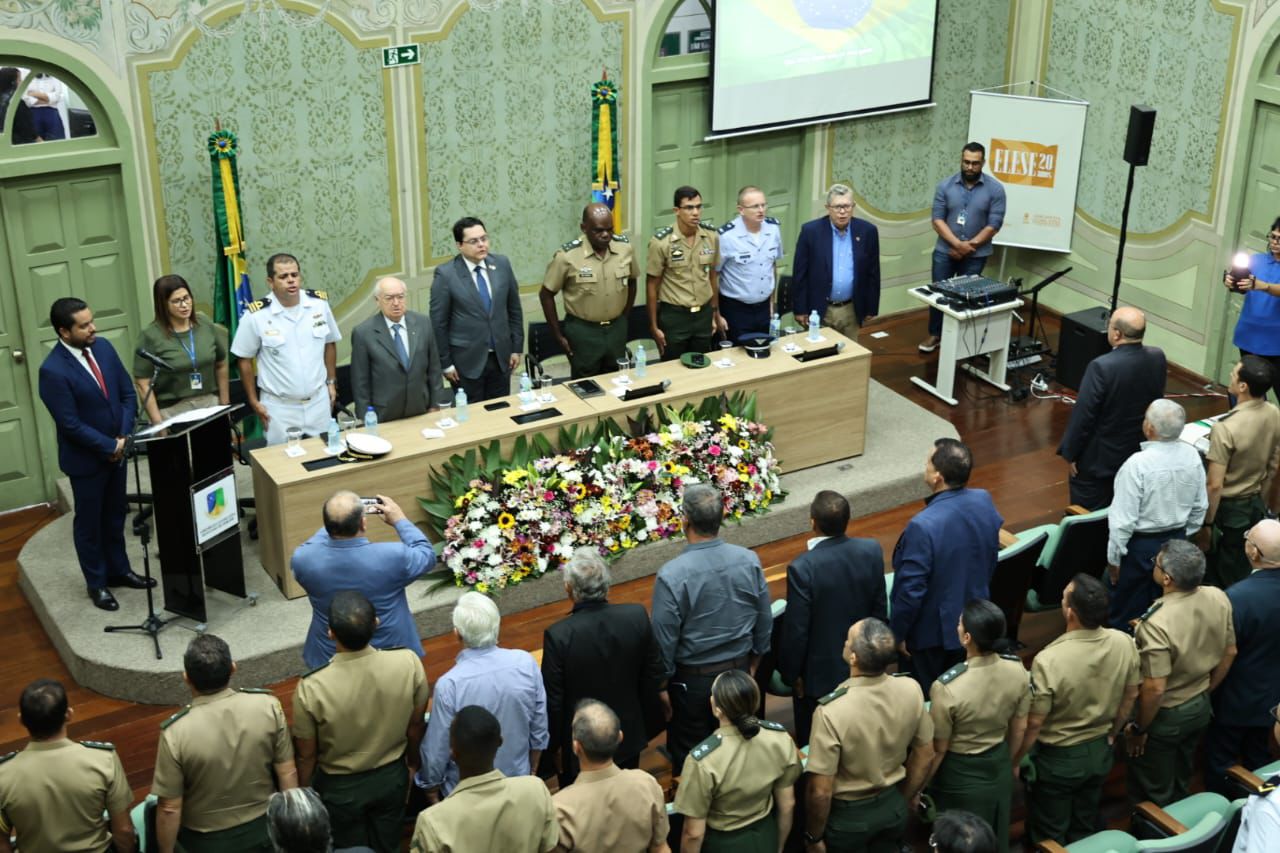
column 343, row 515
column 392, row 296
column 1129, row 324
column 1265, row 539
column 597, row 730
column 597, row 226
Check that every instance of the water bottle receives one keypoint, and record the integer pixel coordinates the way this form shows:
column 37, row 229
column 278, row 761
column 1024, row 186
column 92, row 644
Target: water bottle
column 641, row 360
column 526, row 388
column 775, row 327
column 335, row 443
column 371, row 421
column 814, row 323
column 460, row 406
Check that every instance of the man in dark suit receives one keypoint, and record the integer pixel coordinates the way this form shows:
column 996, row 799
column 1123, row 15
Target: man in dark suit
column 943, row 560
column 395, row 365
column 1106, row 422
column 837, row 582
column 600, row 651
column 844, row 285
column 475, row 309
column 90, row 396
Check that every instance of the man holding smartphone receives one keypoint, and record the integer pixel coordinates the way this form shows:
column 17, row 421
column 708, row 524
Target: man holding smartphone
column 341, row 557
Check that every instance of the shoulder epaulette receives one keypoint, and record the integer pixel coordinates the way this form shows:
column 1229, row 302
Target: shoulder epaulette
column 1227, row 415
column 953, row 673
column 99, row 744
column 257, row 305
column 175, row 718
column 1266, row 788
column 705, row 748
column 707, row 224
column 771, row 220
column 728, row 226
column 390, row 648
column 621, row 238
column 1010, row 656
column 906, row 674
column 833, row 695
column 4, row 758
column 1150, row 611
column 572, row 244
column 319, row 294
column 663, row 232
column 311, row 672
column 262, row 690
column 771, row 725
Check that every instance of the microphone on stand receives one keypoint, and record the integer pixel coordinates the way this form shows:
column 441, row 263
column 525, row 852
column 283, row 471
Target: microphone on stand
column 155, row 360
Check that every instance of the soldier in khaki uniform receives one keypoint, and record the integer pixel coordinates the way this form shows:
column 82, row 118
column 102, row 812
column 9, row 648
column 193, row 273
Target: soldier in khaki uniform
column 219, row 759
column 1244, row 450
column 487, row 810
column 737, row 787
column 607, row 808
column 53, row 792
column 1083, row 686
column 598, row 280
column 979, row 709
column 681, row 281
column 864, row 732
column 1186, row 643
column 359, row 720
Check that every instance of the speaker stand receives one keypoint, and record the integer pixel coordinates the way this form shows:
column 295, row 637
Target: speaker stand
column 1124, row 234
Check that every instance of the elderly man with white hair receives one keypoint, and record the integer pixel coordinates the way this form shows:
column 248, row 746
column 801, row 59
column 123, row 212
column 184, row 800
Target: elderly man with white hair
column 505, row 682
column 1160, row 495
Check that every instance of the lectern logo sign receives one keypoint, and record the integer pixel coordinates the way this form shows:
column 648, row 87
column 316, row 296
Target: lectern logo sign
column 404, row 54
column 1029, row 164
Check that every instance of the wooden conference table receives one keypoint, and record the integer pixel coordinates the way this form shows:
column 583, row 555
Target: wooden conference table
column 817, row 409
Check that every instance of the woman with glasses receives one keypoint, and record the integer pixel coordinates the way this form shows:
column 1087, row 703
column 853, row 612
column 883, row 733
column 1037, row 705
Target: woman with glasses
column 737, row 789
column 979, row 710
column 191, row 344
column 1258, row 329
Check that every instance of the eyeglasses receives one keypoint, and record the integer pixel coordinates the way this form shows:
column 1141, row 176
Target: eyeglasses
column 476, row 241
column 181, row 300
column 754, row 206
column 1273, row 238
column 1275, row 713
column 392, row 297
column 839, row 208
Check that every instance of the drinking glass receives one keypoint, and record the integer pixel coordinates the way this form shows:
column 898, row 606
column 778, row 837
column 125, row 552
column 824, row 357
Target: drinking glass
column 294, row 437
column 544, row 388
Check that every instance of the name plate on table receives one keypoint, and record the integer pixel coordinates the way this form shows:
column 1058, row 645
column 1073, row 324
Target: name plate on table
column 815, row 354
column 647, row 390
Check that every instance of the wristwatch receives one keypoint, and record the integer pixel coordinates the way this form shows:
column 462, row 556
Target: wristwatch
column 812, row 839
column 1135, row 728
column 330, row 382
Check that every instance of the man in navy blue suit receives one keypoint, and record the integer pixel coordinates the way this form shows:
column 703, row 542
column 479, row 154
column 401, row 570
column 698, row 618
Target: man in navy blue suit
column 90, row 396
column 943, row 560
column 837, row 267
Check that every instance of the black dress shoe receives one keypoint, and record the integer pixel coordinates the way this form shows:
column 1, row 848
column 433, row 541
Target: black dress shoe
column 132, row 580
column 103, row 599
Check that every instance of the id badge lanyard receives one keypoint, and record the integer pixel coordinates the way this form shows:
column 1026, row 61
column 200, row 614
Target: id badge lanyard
column 197, row 381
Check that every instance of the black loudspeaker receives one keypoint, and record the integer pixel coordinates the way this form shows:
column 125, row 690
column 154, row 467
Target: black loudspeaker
column 1083, row 338
column 1137, row 145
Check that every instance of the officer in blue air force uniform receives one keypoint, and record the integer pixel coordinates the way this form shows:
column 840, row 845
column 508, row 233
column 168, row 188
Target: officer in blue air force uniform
column 750, row 250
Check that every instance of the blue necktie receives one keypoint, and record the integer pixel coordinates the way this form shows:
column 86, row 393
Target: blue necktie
column 483, row 287
column 401, row 352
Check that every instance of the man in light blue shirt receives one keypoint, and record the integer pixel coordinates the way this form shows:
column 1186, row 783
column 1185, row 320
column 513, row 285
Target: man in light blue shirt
column 1160, row 495
column 505, row 682
column 968, row 210
column 750, row 249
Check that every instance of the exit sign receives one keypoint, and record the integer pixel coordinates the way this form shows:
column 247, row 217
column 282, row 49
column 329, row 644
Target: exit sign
column 405, row 54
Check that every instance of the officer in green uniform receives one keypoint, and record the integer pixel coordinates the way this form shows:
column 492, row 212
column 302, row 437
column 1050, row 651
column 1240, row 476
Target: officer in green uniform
column 681, row 281
column 1244, row 450
column 869, row 752
column 978, row 709
column 1083, row 685
column 598, row 280
column 737, row 787
column 350, row 719
column 1186, row 643
column 219, row 759
column 54, row 792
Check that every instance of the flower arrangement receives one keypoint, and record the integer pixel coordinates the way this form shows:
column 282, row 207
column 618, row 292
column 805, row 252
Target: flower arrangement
column 507, row 520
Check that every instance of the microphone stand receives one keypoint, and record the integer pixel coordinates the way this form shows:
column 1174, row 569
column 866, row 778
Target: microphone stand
column 153, row 624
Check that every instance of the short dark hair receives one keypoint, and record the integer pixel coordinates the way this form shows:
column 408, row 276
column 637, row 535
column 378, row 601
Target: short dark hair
column 830, row 511
column 352, row 619
column 1257, row 374
column 62, row 314
column 1089, row 600
column 277, row 258
column 976, row 146
column 164, row 287
column 43, row 708
column 984, row 622
column 8, row 79
column 344, row 526
column 958, row 831
column 873, row 646
column 463, row 224
column 953, row 460
column 703, row 508
column 596, row 727
column 207, row 663
column 475, row 735
column 682, row 193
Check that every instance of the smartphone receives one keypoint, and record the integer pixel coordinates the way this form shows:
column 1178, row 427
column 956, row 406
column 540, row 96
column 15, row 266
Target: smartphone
column 372, row 505
column 493, row 407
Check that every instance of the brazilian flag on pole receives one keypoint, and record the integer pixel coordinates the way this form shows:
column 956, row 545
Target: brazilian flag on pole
column 604, row 146
column 231, row 290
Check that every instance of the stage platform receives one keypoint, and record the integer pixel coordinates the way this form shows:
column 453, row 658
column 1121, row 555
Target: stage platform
column 267, row 632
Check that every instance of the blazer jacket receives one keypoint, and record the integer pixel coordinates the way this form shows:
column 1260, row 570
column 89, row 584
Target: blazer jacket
column 379, row 380
column 87, row 423
column 464, row 330
column 811, row 268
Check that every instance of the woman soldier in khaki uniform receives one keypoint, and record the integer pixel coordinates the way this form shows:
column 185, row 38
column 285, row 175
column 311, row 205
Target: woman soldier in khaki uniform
column 979, row 708
column 733, row 779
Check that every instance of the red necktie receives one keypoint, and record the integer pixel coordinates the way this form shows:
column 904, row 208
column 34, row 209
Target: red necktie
column 97, row 374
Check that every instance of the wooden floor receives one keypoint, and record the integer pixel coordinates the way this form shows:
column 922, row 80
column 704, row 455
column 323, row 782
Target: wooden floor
column 1013, row 446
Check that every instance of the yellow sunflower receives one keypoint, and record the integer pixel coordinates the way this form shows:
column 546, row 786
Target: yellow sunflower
column 506, row 521
column 744, row 444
